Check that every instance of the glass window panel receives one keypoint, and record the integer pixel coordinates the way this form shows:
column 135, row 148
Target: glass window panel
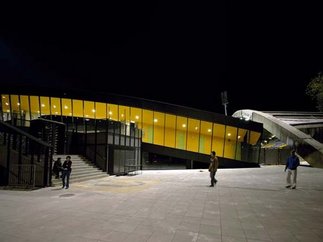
column 34, row 104
column 218, row 139
column 132, row 141
column 117, row 132
column 113, row 112
column 254, row 137
column 159, row 125
column 230, row 142
column 101, row 127
column 127, row 141
column 79, row 124
column 238, row 151
column 122, row 139
column 66, row 107
column 124, row 114
column 16, row 109
column 89, row 111
column 123, row 128
column 101, row 110
column 241, row 134
column 205, row 137
column 15, row 103
column 56, row 105
column 193, row 135
column 78, row 108
column 136, row 116
column 24, row 106
column 110, row 138
column 5, row 103
column 44, row 106
column 147, row 126
column 170, row 124
column 181, row 129
column 241, row 137
column 138, row 133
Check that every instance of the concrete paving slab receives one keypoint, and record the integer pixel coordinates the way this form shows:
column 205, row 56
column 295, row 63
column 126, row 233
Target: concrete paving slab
column 249, row 204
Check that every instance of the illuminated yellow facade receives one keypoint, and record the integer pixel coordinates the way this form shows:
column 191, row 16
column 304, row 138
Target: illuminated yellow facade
column 158, row 128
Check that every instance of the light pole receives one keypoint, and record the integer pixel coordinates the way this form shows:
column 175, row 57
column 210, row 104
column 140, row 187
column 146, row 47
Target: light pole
column 225, row 102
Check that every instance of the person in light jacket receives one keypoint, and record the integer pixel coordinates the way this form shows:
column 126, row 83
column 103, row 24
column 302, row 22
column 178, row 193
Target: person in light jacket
column 291, row 167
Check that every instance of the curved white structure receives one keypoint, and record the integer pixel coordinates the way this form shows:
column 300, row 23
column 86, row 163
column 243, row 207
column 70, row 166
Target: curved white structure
column 307, row 147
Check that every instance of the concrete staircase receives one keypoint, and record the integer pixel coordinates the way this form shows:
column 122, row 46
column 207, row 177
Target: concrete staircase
column 82, row 170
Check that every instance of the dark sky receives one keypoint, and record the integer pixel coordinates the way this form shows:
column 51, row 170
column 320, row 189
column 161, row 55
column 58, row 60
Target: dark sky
column 262, row 54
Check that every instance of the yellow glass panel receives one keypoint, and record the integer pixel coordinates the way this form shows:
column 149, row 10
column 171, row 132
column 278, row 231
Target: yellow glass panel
column 230, row 142
column 89, row 110
column 5, row 103
column 78, row 108
column 136, row 116
column 181, row 129
column 113, row 112
column 218, row 139
column 101, row 110
column 147, row 126
column 170, row 124
column 159, row 125
column 34, row 104
column 241, row 136
column 124, row 114
column 66, row 107
column 55, row 105
column 24, row 106
column 15, row 103
column 254, row 137
column 193, row 135
column 44, row 106
column 205, row 137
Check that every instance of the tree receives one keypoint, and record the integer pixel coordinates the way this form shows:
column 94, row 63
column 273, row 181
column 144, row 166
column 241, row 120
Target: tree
column 315, row 90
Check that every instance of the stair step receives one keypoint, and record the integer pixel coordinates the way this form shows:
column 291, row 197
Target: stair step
column 85, row 171
column 58, row 182
column 82, row 170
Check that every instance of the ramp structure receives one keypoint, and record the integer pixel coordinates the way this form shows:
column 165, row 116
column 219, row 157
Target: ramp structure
column 297, row 129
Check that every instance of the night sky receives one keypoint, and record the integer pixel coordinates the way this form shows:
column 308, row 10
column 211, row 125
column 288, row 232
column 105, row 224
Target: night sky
column 262, row 54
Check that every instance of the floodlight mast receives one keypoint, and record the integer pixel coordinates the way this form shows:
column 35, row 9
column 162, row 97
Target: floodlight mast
column 224, row 98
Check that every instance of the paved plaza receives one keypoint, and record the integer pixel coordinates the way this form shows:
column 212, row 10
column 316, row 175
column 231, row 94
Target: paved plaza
column 247, row 205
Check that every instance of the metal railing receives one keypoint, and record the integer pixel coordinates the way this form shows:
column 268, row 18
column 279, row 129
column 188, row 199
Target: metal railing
column 22, row 175
column 24, row 159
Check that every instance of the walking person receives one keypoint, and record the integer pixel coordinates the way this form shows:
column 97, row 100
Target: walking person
column 291, row 166
column 213, row 167
column 66, row 172
column 57, row 167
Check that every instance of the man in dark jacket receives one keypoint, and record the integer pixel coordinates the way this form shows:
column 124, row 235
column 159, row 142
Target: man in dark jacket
column 57, row 168
column 213, row 167
column 66, row 172
column 291, row 166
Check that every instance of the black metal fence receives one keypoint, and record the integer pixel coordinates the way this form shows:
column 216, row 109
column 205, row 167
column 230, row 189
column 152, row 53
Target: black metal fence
column 24, row 160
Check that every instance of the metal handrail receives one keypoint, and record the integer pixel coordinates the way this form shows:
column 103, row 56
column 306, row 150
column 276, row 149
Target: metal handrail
column 21, row 132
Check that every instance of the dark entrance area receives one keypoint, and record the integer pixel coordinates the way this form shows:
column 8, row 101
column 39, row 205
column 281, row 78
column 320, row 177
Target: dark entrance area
column 152, row 161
